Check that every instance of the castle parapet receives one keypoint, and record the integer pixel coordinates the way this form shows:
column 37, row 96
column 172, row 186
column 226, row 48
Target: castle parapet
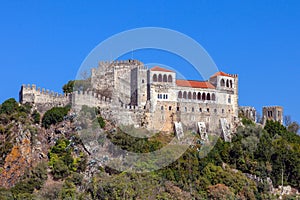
column 32, row 94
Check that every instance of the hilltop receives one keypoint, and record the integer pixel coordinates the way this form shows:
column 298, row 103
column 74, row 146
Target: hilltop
column 43, row 157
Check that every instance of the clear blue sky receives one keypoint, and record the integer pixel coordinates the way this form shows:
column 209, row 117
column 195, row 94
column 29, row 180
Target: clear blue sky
column 44, row 42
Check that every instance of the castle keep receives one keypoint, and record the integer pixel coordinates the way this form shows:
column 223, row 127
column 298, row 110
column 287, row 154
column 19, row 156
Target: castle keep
column 128, row 93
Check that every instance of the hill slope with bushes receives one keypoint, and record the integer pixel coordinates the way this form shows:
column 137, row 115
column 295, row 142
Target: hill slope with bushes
column 42, row 157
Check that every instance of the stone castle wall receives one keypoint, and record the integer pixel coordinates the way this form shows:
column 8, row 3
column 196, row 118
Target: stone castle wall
column 137, row 99
column 248, row 112
column 119, row 113
column 43, row 99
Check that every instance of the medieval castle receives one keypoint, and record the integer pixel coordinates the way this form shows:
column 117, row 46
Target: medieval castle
column 128, row 93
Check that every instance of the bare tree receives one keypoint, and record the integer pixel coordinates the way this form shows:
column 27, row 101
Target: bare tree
column 84, row 75
column 259, row 118
column 293, row 127
column 287, row 120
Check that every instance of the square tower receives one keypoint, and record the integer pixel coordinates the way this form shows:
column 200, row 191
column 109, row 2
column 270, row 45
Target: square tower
column 273, row 113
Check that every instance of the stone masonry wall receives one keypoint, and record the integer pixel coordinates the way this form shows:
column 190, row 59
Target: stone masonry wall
column 41, row 98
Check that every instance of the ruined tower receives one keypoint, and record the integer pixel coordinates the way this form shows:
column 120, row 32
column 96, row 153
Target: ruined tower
column 273, row 113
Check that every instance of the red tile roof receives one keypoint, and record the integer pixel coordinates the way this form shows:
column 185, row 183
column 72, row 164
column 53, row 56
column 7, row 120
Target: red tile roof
column 221, row 74
column 156, row 68
column 194, row 84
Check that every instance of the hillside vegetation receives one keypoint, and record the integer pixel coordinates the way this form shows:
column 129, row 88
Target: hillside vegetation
column 42, row 157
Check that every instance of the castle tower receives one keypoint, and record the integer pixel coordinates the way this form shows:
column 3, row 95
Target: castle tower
column 27, row 94
column 227, row 84
column 139, row 86
column 274, row 113
column 248, row 112
column 235, row 98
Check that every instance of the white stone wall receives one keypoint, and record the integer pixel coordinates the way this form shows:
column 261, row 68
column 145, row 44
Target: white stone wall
column 132, row 87
column 43, row 99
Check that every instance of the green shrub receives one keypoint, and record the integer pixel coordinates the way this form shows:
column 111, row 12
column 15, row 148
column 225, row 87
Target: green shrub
column 60, row 170
column 25, row 108
column 68, row 191
column 62, row 162
column 101, row 122
column 39, row 175
column 5, row 194
column 35, row 180
column 68, row 88
column 247, row 121
column 75, row 178
column 36, row 117
column 60, row 147
column 9, row 106
column 54, row 116
column 76, row 85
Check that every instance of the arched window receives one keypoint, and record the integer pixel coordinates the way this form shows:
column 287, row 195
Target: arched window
column 208, row 96
column 162, row 108
column 213, row 97
column 154, row 78
column 165, row 79
column 203, row 96
column 194, row 95
column 189, row 95
column 200, row 109
column 227, row 83
column 199, row 96
column 184, row 94
column 222, row 82
column 159, row 78
column 170, row 79
column 193, row 109
column 231, row 83
column 179, row 95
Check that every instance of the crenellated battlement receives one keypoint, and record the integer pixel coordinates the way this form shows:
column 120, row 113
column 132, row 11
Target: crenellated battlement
column 121, row 62
column 42, row 98
column 273, row 113
column 126, row 92
column 37, row 90
column 272, row 107
column 91, row 94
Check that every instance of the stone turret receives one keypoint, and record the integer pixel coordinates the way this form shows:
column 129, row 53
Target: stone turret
column 248, row 112
column 273, row 113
